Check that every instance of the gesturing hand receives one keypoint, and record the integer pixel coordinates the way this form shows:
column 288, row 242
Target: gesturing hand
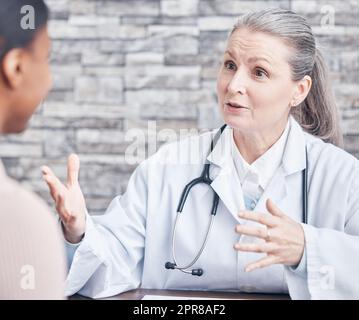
column 284, row 237
column 69, row 200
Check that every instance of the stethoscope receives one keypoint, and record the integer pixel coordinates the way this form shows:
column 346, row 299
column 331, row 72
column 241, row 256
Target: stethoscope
column 205, row 178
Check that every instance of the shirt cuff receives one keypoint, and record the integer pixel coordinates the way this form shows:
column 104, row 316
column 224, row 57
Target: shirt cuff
column 69, row 247
column 70, row 251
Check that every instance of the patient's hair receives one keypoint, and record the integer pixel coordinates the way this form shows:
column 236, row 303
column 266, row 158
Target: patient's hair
column 12, row 35
column 318, row 113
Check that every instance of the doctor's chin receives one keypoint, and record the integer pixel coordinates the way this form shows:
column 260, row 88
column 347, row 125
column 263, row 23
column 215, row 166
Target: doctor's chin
column 160, row 150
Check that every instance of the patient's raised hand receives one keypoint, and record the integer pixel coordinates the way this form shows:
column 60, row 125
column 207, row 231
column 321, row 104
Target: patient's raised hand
column 69, row 200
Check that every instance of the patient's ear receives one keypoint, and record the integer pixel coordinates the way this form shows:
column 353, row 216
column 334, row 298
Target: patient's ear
column 12, row 67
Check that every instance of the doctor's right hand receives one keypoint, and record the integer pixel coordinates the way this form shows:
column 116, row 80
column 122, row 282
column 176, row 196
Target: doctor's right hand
column 69, row 200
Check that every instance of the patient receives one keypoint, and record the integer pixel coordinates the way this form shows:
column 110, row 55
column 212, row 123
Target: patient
column 32, row 263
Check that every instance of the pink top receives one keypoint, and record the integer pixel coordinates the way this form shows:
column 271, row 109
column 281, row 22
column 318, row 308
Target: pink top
column 32, row 261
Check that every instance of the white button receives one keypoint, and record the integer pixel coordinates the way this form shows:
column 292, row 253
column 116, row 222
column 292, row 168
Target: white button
column 253, row 204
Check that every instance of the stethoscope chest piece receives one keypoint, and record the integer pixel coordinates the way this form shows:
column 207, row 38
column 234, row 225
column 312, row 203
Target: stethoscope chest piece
column 204, row 178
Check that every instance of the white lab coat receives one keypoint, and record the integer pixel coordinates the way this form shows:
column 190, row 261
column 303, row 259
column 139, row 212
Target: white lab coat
column 128, row 246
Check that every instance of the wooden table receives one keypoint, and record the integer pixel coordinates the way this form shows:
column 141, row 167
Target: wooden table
column 138, row 294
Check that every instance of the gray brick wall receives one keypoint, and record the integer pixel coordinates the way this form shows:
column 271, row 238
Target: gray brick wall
column 119, row 64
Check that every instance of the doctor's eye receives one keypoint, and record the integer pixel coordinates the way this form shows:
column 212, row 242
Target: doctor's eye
column 230, row 65
column 260, row 73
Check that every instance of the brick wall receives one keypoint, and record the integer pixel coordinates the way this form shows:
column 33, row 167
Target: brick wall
column 119, row 64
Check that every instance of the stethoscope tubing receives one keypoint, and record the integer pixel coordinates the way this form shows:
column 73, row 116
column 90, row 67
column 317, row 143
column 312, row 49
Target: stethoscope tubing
column 205, row 178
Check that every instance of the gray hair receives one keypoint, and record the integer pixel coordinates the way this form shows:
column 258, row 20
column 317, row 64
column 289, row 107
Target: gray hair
column 318, row 113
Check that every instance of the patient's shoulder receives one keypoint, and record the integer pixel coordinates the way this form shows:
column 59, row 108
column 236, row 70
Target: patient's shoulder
column 16, row 199
column 30, row 238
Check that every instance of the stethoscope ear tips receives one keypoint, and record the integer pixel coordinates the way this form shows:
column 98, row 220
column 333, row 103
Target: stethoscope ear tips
column 170, row 265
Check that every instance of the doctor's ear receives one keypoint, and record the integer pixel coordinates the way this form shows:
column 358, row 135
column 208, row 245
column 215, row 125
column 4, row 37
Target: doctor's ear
column 12, row 66
column 301, row 91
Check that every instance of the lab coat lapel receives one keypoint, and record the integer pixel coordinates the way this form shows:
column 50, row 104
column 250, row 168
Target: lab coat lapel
column 225, row 179
column 293, row 161
column 277, row 189
column 228, row 187
column 226, row 182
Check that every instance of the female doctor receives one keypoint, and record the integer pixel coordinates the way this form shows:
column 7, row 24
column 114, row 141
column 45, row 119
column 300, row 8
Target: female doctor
column 285, row 198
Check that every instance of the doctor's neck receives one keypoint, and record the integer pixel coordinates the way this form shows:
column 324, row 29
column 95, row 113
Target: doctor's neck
column 254, row 144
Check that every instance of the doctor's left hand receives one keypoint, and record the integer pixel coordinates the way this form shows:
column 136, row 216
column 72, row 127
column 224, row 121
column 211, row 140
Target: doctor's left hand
column 284, row 237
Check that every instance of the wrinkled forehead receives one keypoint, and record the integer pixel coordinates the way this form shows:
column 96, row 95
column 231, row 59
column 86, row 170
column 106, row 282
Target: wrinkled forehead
column 250, row 44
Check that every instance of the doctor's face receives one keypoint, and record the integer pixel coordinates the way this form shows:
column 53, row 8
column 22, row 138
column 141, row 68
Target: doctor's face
column 254, row 83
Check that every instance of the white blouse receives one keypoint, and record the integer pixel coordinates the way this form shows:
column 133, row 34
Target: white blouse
column 255, row 177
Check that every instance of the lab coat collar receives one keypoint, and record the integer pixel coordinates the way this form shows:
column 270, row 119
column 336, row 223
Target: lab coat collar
column 262, row 169
column 225, row 179
column 293, row 157
column 226, row 182
column 221, row 153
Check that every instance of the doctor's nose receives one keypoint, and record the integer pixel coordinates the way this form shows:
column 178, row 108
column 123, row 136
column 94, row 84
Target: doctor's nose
column 237, row 85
